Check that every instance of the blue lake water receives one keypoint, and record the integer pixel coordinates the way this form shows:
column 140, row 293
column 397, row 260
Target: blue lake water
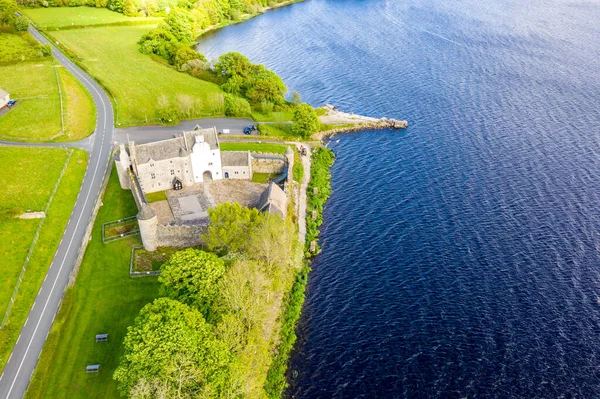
column 461, row 257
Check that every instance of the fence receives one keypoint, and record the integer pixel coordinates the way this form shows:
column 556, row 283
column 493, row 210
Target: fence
column 106, row 227
column 133, row 273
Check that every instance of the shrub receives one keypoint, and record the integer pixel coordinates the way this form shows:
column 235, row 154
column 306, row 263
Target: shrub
column 22, row 23
column 305, row 122
column 236, row 106
column 46, row 50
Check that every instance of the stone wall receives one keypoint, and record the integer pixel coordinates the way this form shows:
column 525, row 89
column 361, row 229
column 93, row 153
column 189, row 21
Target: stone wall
column 237, row 172
column 260, row 165
column 179, row 236
column 158, row 175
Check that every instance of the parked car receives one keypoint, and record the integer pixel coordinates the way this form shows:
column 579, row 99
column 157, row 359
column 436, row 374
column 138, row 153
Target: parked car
column 11, row 103
column 249, row 129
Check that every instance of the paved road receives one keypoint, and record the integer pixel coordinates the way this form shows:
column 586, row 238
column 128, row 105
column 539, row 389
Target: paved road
column 147, row 134
column 24, row 356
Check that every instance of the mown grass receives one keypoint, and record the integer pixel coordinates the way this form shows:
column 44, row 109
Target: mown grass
column 104, row 299
column 255, row 147
column 64, row 17
column 18, row 47
column 277, row 130
column 157, row 196
column 262, row 177
column 37, row 115
column 136, row 81
column 28, row 176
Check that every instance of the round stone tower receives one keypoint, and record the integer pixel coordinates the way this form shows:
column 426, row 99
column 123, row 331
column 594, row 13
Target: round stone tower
column 148, row 222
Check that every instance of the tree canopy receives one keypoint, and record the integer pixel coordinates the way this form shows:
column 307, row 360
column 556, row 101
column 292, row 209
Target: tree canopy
column 230, row 224
column 191, row 277
column 171, row 342
column 8, row 8
column 305, row 121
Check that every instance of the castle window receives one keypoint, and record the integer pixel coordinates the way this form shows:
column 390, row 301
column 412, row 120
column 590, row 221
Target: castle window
column 171, row 161
column 153, row 175
column 151, row 165
column 210, row 164
column 172, row 172
column 244, row 172
column 237, row 173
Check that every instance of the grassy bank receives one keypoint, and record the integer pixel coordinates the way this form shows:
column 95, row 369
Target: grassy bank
column 264, row 148
column 322, row 159
column 139, row 85
column 104, row 299
column 69, row 17
column 37, row 115
column 29, row 176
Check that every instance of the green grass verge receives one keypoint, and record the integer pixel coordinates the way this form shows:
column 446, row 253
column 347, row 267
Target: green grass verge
column 135, row 81
column 66, row 17
column 37, row 115
column 157, row 196
column 277, row 130
column 104, row 299
column 30, row 171
column 255, row 147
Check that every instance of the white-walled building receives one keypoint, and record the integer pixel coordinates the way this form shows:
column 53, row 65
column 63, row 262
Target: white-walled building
column 193, row 157
column 4, row 98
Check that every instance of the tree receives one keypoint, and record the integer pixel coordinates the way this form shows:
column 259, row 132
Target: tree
column 296, row 99
column 266, row 86
column 22, row 23
column 185, row 54
column 230, row 224
column 8, row 8
column 268, row 238
column 232, row 64
column 191, row 277
column 180, row 23
column 236, row 106
column 305, row 121
column 171, row 343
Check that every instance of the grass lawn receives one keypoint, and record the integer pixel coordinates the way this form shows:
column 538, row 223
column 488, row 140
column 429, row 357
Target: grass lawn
column 62, row 17
column 156, row 196
column 277, row 130
column 262, row 177
column 255, row 147
column 29, row 176
column 135, row 80
column 104, row 299
column 36, row 117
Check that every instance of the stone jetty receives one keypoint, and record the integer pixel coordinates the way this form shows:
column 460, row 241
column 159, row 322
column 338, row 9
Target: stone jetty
column 353, row 123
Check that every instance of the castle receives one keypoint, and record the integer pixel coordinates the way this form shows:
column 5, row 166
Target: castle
column 177, row 166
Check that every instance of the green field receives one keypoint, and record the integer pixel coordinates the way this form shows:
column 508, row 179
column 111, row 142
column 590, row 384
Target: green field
column 254, row 147
column 29, row 176
column 37, row 115
column 64, row 17
column 104, row 299
column 135, row 81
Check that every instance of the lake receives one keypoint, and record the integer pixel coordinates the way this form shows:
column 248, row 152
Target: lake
column 461, row 257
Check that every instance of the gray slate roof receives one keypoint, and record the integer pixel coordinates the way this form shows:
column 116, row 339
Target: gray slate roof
column 235, row 158
column 273, row 200
column 174, row 148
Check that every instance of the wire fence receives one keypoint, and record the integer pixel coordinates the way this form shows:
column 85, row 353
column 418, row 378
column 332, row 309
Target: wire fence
column 134, row 273
column 33, row 243
column 118, row 229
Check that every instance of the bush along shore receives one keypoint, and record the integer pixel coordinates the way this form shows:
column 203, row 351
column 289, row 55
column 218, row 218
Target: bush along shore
column 319, row 190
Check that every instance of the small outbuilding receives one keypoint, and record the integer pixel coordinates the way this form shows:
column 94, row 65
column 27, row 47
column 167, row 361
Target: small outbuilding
column 4, row 98
column 273, row 200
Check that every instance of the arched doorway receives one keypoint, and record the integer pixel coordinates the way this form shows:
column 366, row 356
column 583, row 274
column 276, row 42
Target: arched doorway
column 207, row 176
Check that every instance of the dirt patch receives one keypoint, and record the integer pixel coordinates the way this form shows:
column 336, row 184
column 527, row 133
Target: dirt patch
column 241, row 191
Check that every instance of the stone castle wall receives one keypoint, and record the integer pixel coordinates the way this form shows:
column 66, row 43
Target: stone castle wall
column 260, row 165
column 179, row 236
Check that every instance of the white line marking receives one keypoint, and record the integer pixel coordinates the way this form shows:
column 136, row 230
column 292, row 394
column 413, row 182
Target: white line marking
column 72, row 236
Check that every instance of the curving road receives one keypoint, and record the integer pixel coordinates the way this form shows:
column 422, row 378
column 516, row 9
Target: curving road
column 24, row 356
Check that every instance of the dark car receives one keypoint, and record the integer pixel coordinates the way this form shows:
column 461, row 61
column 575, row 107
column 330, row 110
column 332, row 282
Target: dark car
column 11, row 103
column 249, row 129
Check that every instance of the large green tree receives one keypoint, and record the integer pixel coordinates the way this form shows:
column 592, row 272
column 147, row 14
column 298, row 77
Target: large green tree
column 8, row 8
column 230, row 225
column 265, row 85
column 191, row 276
column 305, row 121
column 171, row 343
